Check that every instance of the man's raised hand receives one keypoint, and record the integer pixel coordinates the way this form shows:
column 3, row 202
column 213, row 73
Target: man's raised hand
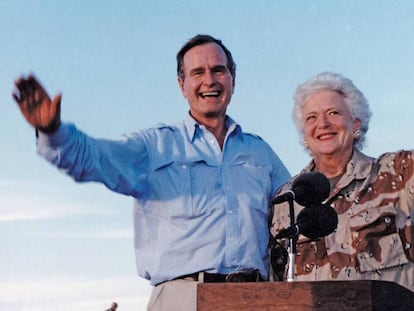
column 35, row 104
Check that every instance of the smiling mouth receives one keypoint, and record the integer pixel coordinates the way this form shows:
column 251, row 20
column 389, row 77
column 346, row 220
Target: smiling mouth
column 326, row 136
column 210, row 94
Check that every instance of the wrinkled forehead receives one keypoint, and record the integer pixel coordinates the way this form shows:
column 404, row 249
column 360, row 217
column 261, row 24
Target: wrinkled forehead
column 205, row 54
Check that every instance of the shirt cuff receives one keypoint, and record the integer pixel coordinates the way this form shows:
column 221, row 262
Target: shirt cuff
column 53, row 139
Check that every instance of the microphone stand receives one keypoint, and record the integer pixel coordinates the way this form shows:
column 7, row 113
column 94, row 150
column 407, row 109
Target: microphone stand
column 292, row 246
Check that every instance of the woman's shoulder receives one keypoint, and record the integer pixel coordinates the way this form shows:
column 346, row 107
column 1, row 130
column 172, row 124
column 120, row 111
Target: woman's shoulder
column 401, row 161
column 395, row 155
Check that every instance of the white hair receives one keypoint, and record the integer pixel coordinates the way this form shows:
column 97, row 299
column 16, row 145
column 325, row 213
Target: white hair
column 354, row 100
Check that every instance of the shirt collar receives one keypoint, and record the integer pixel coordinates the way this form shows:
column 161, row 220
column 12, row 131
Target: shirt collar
column 359, row 167
column 191, row 126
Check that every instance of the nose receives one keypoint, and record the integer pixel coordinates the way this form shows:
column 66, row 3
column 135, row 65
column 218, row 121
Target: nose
column 209, row 78
column 323, row 121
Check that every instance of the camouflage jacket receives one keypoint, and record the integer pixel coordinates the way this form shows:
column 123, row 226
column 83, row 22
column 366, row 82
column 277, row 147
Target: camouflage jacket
column 374, row 201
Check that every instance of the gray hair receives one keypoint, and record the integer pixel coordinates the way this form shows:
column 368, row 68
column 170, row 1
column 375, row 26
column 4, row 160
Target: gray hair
column 354, row 99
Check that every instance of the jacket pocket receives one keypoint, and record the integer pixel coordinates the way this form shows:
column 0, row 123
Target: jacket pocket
column 376, row 240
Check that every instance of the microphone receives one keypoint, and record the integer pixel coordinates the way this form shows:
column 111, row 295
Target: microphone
column 308, row 189
column 312, row 222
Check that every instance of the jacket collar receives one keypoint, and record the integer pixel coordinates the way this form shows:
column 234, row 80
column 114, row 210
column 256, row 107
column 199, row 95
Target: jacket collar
column 359, row 167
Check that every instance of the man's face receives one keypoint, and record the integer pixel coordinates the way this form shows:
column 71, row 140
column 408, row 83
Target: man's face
column 207, row 82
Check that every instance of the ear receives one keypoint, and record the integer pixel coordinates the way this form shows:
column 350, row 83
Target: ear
column 357, row 124
column 181, row 86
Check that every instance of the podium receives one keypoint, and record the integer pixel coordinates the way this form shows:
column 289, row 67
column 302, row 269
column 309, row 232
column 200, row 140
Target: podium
column 304, row 296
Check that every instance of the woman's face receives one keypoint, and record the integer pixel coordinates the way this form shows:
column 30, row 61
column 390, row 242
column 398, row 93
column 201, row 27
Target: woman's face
column 328, row 125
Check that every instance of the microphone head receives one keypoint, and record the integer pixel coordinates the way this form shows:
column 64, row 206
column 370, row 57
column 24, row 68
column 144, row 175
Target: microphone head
column 318, row 221
column 311, row 188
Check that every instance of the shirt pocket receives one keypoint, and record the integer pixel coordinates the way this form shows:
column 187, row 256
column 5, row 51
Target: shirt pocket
column 187, row 188
column 376, row 240
column 170, row 189
column 254, row 182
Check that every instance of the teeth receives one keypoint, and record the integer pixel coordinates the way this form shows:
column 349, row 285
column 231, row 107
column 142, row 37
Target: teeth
column 207, row 94
column 325, row 136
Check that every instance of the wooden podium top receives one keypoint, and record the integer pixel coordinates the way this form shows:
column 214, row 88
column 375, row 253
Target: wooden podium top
column 304, row 296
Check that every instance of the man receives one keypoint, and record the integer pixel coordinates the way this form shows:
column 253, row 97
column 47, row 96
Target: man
column 200, row 187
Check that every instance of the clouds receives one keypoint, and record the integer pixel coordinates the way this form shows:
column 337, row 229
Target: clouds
column 46, row 229
column 33, row 207
column 42, row 201
column 104, row 234
column 73, row 293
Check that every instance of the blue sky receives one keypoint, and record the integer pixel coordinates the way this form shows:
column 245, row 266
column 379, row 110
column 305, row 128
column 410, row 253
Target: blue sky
column 67, row 246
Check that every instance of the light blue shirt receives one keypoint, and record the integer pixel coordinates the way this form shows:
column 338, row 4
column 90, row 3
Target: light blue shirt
column 196, row 207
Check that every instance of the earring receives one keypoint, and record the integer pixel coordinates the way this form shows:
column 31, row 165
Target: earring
column 306, row 144
column 357, row 134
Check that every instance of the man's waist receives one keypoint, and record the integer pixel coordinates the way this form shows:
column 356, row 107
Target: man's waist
column 238, row 276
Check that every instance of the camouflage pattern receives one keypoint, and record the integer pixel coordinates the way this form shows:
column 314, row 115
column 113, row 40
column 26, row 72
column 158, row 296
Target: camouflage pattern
column 374, row 201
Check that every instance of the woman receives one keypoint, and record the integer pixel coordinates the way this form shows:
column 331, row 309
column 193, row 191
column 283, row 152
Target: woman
column 374, row 198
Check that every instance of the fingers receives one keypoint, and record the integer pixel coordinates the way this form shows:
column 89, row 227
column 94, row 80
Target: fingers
column 54, row 113
column 35, row 104
column 26, row 88
column 17, row 91
column 55, row 108
column 34, row 83
column 22, row 89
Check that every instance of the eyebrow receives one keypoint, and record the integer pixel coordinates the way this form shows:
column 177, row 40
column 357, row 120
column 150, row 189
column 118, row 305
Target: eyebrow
column 196, row 69
column 213, row 68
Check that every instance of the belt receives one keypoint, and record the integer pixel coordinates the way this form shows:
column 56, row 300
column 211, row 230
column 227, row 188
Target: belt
column 239, row 276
